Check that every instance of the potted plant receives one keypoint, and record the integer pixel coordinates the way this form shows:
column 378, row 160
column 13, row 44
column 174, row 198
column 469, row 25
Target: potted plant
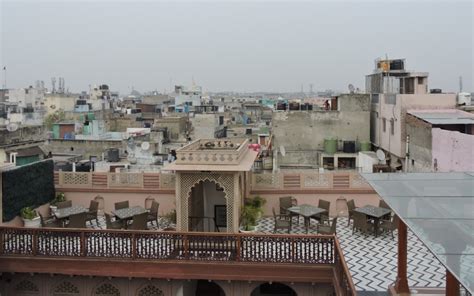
column 30, row 217
column 60, row 197
column 248, row 219
column 257, row 203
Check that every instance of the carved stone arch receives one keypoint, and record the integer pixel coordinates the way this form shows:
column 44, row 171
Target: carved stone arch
column 106, row 289
column 187, row 181
column 150, row 289
column 65, row 287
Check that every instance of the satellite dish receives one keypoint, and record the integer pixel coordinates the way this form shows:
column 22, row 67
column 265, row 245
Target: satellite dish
column 351, row 88
column 282, row 151
column 11, row 127
column 145, row 146
column 380, row 155
column 52, row 106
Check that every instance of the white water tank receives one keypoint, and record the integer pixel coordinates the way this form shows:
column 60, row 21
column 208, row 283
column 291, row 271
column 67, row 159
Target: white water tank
column 464, row 98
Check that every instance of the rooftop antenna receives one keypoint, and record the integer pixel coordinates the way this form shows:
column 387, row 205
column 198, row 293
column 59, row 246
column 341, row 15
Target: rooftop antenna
column 311, row 88
column 53, row 82
column 460, row 84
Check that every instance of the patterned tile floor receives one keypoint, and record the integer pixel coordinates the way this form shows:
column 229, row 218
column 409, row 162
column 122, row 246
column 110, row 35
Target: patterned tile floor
column 372, row 261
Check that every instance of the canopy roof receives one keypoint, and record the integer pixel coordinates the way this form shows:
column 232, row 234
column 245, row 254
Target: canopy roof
column 439, row 209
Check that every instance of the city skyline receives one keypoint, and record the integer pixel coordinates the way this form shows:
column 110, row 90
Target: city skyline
column 242, row 47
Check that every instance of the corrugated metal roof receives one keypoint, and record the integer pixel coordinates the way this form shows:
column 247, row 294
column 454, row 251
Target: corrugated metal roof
column 451, row 116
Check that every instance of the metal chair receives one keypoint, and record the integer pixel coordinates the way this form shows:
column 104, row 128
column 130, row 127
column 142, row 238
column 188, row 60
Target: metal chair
column 281, row 222
column 93, row 211
column 361, row 224
column 323, row 217
column 121, row 205
column 153, row 214
column 389, row 225
column 64, row 204
column 350, row 210
column 112, row 224
column 49, row 221
column 287, row 202
column 149, row 202
column 328, row 229
column 139, row 222
column 77, row 220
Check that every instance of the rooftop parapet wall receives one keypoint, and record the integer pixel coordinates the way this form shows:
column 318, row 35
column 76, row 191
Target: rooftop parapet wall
column 213, row 151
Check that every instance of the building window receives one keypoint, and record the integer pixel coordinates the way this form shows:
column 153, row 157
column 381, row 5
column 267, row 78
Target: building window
column 384, row 124
column 66, row 288
column 106, row 289
column 392, row 126
column 150, row 290
column 420, row 80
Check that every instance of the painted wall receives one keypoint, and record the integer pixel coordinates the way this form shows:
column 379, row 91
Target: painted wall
column 396, row 143
column 452, row 151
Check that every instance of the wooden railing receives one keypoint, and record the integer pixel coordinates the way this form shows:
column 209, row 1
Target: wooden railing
column 150, row 245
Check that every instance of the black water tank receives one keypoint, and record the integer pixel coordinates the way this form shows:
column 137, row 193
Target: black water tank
column 113, row 155
column 349, row 147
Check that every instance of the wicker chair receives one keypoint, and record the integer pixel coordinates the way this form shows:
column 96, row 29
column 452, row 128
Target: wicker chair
column 121, row 205
column 287, row 202
column 139, row 222
column 350, row 210
column 362, row 224
column 153, row 214
column 383, row 204
column 64, row 204
column 112, row 224
column 323, row 217
column 49, row 221
column 389, row 225
column 93, row 212
column 328, row 229
column 281, row 222
column 77, row 220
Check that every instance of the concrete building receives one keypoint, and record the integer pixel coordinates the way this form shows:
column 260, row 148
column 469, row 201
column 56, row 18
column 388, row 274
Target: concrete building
column 393, row 90
column 302, row 133
column 190, row 96
column 24, row 143
column 208, row 126
column 440, row 140
column 175, row 125
column 65, row 102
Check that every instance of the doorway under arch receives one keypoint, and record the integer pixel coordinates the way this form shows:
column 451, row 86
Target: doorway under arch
column 269, row 289
column 207, row 207
column 207, row 288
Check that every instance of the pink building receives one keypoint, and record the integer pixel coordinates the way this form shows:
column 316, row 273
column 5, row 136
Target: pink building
column 440, row 140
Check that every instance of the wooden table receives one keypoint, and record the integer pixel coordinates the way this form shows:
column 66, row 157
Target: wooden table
column 306, row 211
column 374, row 213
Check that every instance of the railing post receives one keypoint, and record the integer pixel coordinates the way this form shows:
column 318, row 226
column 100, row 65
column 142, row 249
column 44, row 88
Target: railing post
column 34, row 242
column 293, row 249
column 83, row 244
column 134, row 246
column 186, row 247
column 238, row 248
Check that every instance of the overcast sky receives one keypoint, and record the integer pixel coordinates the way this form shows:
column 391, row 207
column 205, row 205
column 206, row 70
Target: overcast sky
column 242, row 46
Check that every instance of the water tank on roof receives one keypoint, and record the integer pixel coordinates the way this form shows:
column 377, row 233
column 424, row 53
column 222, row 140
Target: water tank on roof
column 330, row 146
column 113, row 155
column 365, row 146
column 349, row 147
